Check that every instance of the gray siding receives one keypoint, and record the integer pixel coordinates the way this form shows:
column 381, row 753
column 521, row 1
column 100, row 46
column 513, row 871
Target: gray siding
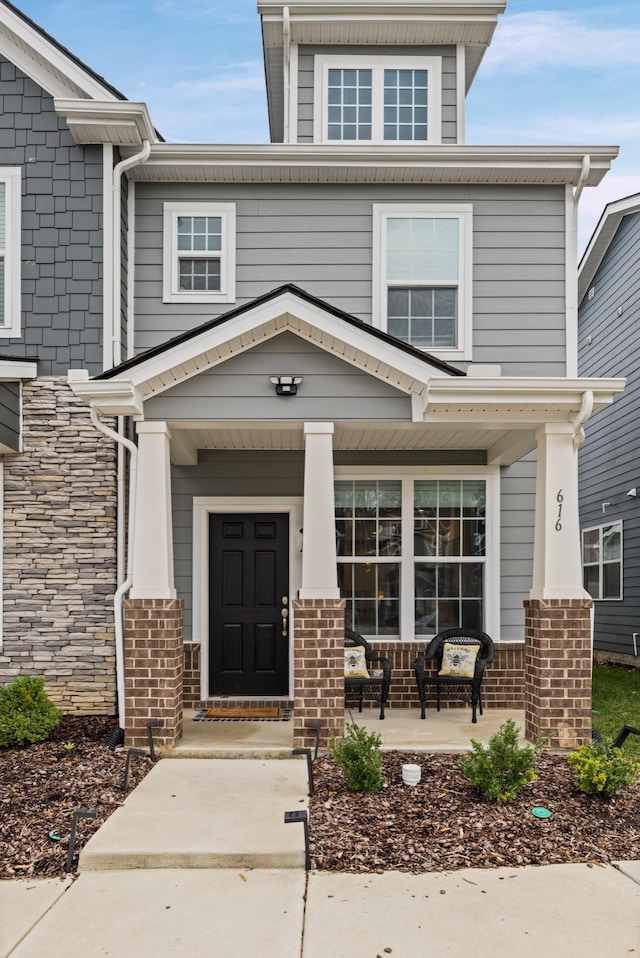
column 306, row 81
column 240, row 389
column 10, row 415
column 320, row 237
column 609, row 459
column 61, row 230
column 517, row 509
column 238, row 474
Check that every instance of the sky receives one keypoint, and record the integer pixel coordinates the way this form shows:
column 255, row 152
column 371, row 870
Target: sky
column 558, row 72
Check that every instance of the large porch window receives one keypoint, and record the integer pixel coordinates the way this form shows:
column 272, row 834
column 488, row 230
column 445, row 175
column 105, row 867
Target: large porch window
column 411, row 554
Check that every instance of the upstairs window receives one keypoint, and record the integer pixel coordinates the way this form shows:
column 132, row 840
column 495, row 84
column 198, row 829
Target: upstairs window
column 602, row 561
column 378, row 100
column 10, row 251
column 422, row 276
column 199, row 253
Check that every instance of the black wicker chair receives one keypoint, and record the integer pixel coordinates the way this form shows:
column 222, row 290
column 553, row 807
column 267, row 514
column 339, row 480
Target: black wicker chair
column 469, row 689
column 375, row 687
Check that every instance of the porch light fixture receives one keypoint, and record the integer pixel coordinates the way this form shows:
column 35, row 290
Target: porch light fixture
column 285, row 385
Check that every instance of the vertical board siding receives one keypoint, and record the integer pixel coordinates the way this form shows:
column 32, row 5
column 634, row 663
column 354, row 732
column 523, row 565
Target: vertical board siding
column 609, row 457
column 517, row 504
column 61, row 230
column 320, row 238
column 306, row 81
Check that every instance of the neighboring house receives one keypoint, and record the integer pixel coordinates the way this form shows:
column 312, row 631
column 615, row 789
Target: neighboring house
column 609, row 320
column 251, row 390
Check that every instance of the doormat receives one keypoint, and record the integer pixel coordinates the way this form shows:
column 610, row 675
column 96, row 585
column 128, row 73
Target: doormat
column 238, row 714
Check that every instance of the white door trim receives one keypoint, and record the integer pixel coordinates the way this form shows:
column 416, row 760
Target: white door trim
column 203, row 506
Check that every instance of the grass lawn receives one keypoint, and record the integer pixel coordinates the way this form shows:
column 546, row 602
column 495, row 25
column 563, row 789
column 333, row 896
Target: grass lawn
column 616, row 702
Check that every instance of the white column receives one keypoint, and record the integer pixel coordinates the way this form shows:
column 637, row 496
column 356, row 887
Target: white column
column 319, row 571
column 152, row 525
column 557, row 568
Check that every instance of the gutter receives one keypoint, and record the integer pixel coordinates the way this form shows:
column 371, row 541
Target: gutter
column 286, row 56
column 123, row 443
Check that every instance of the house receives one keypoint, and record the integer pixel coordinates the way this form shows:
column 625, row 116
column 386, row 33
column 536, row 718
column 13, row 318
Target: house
column 609, row 317
column 253, row 392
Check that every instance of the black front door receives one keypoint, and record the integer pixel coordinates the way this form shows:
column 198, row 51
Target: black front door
column 248, row 591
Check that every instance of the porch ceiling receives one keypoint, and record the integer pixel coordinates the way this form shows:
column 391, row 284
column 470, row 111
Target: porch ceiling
column 502, row 445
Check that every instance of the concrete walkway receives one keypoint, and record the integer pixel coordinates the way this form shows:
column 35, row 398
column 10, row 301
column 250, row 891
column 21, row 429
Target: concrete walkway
column 147, row 887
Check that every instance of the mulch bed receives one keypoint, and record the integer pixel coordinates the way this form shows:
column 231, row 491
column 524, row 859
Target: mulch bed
column 444, row 824
column 42, row 785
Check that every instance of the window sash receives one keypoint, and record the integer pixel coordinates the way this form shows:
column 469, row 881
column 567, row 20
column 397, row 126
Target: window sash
column 602, row 561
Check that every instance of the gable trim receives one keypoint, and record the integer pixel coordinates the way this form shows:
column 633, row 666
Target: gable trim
column 601, row 239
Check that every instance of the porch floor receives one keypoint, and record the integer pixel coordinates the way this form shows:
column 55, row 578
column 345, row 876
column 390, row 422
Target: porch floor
column 450, row 730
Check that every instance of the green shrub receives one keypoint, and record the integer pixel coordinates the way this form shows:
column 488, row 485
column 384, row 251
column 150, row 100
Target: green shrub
column 358, row 755
column 601, row 772
column 27, row 714
column 501, row 769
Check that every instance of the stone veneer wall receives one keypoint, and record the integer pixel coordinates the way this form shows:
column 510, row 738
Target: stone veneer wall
column 59, row 552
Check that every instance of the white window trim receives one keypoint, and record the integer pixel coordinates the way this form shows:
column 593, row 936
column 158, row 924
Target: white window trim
column 12, row 177
column 170, row 288
column 202, row 507
column 491, row 476
column 433, row 65
column 464, row 214
column 601, row 563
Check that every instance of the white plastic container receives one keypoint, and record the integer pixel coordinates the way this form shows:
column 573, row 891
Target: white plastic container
column 411, row 774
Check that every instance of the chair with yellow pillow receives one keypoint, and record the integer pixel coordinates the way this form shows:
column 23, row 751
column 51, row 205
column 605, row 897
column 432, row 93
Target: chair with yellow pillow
column 365, row 675
column 460, row 657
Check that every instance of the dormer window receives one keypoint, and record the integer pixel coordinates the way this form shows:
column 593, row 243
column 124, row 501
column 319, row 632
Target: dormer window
column 378, row 100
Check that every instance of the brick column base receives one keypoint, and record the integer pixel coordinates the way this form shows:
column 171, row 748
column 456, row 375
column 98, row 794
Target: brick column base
column 318, row 650
column 558, row 671
column 153, row 668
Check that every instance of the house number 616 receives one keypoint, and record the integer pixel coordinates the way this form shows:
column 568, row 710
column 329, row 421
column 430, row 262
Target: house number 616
column 559, row 500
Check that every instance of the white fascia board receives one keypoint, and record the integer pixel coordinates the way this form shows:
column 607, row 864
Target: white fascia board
column 601, row 238
column 302, row 162
column 285, row 313
column 34, row 54
column 12, row 370
column 552, row 393
column 117, row 397
column 87, row 117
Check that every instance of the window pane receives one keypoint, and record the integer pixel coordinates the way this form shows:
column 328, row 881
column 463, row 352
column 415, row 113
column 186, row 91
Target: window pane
column 592, row 581
column 349, row 98
column 412, row 316
column 199, row 274
column 591, row 545
column 200, row 233
column 372, row 594
column 611, row 543
column 405, row 98
column 611, row 580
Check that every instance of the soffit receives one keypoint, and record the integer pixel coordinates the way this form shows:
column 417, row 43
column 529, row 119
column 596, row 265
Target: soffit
column 301, row 163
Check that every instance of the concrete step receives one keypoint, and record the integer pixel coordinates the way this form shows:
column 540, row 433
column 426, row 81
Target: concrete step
column 215, row 813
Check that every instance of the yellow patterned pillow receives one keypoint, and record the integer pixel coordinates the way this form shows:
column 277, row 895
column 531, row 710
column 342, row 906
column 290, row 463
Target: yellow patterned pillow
column 459, row 660
column 355, row 663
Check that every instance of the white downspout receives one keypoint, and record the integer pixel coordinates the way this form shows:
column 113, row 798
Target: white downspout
column 586, row 408
column 286, row 56
column 116, row 262
column 124, row 587
column 571, row 267
column 113, row 356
